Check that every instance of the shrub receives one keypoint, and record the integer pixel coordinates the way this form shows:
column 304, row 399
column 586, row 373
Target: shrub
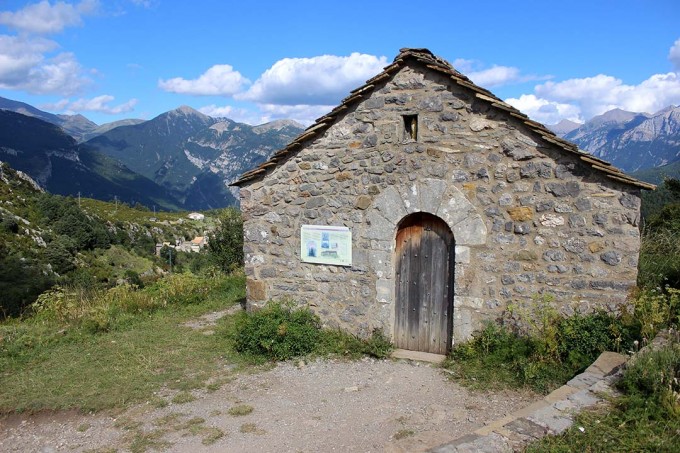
column 225, row 244
column 542, row 352
column 652, row 383
column 278, row 331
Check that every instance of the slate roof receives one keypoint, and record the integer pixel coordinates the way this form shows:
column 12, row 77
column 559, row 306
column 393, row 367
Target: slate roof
column 431, row 61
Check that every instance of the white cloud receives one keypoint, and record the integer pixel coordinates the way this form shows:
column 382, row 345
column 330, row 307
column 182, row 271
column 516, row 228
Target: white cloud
column 18, row 56
column 674, row 55
column 264, row 113
column 322, row 80
column 218, row 80
column 494, row 76
column 97, row 104
column 544, row 111
column 598, row 94
column 305, row 114
column 45, row 18
column 23, row 66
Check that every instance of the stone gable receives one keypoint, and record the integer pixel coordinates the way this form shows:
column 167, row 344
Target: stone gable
column 527, row 217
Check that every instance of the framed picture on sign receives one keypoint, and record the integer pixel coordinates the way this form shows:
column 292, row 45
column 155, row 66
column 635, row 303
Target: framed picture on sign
column 326, row 245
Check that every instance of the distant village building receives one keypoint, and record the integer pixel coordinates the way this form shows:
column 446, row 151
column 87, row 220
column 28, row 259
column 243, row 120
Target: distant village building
column 195, row 245
column 196, row 216
column 424, row 205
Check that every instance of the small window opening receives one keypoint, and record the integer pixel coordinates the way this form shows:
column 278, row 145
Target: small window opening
column 410, row 127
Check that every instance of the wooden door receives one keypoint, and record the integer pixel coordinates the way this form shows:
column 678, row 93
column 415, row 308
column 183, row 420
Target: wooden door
column 424, row 284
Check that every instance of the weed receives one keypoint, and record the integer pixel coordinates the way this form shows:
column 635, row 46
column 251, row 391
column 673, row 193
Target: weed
column 251, row 428
column 211, row 435
column 127, row 424
column 240, row 410
column 142, row 441
column 83, row 427
column 183, row 397
column 403, row 433
column 215, row 413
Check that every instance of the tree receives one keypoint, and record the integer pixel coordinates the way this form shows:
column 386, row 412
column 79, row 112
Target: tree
column 225, row 244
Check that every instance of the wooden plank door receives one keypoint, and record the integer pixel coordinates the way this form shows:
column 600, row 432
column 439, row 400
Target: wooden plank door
column 424, row 284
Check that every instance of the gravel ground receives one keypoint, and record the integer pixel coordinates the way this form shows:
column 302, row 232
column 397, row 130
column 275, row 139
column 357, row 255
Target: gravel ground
column 363, row 406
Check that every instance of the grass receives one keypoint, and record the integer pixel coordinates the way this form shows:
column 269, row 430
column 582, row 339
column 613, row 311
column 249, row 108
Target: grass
column 50, row 363
column 240, row 410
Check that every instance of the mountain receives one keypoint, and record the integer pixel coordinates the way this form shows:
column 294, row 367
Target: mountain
column 632, row 141
column 108, row 126
column 193, row 155
column 54, row 159
column 564, row 127
column 74, row 125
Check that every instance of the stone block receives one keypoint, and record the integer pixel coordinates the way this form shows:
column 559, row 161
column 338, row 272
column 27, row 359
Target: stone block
column 560, row 394
column 256, row 289
column 607, row 363
column 462, row 254
column 411, row 197
column 470, row 231
column 431, row 192
column 521, row 214
column 526, row 428
column 363, row 202
column 379, row 227
column 583, row 380
column 554, row 420
column 390, row 205
column 384, row 291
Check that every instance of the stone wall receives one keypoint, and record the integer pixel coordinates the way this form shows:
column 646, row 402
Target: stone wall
column 528, row 218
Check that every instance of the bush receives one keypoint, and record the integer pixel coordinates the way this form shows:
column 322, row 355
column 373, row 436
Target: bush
column 278, row 332
column 542, row 353
column 225, row 244
column 652, row 383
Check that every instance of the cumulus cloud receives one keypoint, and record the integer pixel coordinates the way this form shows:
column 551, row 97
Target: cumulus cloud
column 598, row 94
column 322, row 80
column 264, row 113
column 674, row 55
column 23, row 66
column 302, row 113
column 545, row 111
column 46, row 18
column 494, row 76
column 218, row 80
column 98, row 104
column 580, row 99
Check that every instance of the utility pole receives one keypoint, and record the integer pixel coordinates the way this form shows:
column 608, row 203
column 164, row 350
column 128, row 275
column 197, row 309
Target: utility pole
column 79, row 198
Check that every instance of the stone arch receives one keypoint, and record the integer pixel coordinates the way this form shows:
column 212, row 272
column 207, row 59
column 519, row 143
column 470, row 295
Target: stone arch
column 433, row 196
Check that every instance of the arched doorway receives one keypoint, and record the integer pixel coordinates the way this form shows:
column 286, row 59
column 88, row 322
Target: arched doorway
column 424, row 284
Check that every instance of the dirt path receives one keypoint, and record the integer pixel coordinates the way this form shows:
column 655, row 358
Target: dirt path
column 368, row 406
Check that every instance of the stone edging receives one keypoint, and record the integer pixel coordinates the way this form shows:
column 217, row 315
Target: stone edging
column 553, row 415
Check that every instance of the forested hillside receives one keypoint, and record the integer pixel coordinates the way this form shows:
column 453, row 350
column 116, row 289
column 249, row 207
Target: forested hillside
column 49, row 239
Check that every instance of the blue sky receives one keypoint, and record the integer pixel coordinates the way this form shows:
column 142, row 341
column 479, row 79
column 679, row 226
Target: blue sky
column 259, row 61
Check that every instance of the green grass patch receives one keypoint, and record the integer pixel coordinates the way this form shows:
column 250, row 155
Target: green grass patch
column 183, row 398
column 240, row 410
column 56, row 360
